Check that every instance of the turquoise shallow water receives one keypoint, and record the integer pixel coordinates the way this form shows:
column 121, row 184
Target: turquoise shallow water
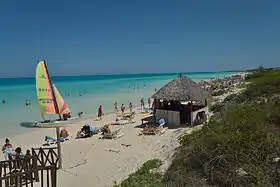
column 100, row 89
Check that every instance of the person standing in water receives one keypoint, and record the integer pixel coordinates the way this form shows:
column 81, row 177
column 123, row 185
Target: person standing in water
column 100, row 112
column 116, row 107
column 130, row 107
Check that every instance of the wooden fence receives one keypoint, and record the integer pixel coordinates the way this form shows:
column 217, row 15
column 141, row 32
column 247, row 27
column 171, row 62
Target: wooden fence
column 40, row 167
column 46, row 156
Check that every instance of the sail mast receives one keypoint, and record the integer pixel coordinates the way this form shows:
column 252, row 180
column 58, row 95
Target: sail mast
column 55, row 101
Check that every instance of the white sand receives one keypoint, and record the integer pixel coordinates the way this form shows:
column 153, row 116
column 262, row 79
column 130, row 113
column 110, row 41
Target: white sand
column 88, row 162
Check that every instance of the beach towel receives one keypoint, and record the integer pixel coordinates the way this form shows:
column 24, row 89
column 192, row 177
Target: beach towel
column 54, row 140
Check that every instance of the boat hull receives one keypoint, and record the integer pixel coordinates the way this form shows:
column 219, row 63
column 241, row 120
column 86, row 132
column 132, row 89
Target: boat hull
column 48, row 123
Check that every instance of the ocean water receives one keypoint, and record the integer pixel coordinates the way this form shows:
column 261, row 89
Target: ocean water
column 99, row 90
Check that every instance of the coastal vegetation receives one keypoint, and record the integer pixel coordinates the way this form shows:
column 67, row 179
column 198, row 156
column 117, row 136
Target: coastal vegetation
column 219, row 92
column 239, row 146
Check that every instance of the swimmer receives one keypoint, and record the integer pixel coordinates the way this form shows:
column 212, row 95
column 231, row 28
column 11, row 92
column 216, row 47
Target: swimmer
column 3, row 101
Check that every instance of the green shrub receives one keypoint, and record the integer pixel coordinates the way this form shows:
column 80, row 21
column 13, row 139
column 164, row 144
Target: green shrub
column 144, row 176
column 218, row 92
column 217, row 107
column 241, row 85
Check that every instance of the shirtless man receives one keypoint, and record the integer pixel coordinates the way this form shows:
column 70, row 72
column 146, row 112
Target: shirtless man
column 64, row 133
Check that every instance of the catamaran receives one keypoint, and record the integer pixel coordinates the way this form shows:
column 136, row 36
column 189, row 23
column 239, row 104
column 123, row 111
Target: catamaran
column 49, row 99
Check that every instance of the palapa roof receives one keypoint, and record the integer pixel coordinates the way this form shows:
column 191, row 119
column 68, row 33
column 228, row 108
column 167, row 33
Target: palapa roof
column 181, row 88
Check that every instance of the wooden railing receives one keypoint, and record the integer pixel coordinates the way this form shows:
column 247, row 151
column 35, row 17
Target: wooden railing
column 26, row 178
column 46, row 156
column 40, row 167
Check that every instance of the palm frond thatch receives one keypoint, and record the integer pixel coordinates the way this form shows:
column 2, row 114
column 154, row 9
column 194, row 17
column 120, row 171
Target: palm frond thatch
column 181, row 88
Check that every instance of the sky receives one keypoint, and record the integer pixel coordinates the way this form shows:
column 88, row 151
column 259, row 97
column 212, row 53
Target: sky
column 137, row 36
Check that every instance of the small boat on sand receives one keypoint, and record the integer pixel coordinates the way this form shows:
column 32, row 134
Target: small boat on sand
column 49, row 100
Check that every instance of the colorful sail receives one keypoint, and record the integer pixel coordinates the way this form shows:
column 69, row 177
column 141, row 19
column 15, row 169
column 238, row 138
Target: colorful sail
column 63, row 108
column 45, row 96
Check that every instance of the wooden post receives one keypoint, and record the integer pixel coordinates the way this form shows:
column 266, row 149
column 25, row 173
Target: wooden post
column 191, row 113
column 58, row 148
column 35, row 166
column 53, row 176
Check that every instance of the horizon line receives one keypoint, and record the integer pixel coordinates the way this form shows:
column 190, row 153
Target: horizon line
column 109, row 74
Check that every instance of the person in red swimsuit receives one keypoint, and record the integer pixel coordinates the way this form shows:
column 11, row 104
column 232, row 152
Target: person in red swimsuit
column 100, row 113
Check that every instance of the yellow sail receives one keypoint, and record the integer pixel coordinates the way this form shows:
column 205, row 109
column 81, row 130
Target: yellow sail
column 45, row 96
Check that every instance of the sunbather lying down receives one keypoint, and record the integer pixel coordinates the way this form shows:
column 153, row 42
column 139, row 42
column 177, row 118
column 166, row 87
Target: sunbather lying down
column 51, row 141
column 88, row 131
column 107, row 134
column 120, row 121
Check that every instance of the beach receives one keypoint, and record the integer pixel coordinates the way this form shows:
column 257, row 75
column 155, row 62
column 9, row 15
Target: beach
column 95, row 162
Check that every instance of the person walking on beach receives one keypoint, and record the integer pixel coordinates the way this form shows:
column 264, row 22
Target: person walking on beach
column 116, row 107
column 142, row 103
column 100, row 113
column 149, row 102
column 130, row 107
column 122, row 109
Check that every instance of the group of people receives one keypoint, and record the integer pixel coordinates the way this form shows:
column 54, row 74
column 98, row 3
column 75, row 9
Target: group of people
column 88, row 131
column 142, row 104
column 10, row 153
column 123, row 107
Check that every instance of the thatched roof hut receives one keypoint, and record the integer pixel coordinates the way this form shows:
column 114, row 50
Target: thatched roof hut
column 181, row 88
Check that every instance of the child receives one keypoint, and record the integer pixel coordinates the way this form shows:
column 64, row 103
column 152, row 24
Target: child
column 28, row 153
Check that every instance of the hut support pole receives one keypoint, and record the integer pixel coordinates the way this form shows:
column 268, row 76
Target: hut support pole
column 59, row 148
column 191, row 113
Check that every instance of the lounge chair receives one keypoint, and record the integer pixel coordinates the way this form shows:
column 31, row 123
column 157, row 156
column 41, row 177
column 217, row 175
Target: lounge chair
column 154, row 130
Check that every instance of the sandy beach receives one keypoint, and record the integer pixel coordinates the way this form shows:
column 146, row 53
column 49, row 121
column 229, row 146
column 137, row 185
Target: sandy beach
column 103, row 162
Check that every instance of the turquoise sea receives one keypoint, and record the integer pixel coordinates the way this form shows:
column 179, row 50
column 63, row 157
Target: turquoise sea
column 96, row 90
